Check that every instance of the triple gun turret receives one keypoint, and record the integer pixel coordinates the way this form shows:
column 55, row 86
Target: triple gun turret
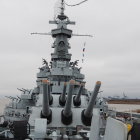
column 66, row 113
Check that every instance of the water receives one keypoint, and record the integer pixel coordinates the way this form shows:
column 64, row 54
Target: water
column 124, row 107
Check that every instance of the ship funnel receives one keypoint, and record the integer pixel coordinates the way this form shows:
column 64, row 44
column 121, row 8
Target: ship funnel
column 87, row 113
column 49, row 94
column 62, row 98
column 77, row 98
column 66, row 114
column 46, row 111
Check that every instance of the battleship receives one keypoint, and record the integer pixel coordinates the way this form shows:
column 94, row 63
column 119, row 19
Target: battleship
column 60, row 107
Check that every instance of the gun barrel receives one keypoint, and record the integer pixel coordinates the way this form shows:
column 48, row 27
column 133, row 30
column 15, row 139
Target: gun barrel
column 49, row 95
column 67, row 113
column 62, row 98
column 9, row 97
column 77, row 98
column 87, row 113
column 25, row 90
column 19, row 97
column 46, row 111
column 20, row 90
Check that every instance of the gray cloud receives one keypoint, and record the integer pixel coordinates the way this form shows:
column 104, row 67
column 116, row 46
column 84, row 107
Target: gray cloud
column 112, row 56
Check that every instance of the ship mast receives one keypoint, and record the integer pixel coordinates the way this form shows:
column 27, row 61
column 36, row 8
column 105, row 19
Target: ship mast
column 61, row 35
column 62, row 7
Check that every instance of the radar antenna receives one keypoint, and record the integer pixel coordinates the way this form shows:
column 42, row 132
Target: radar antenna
column 59, row 8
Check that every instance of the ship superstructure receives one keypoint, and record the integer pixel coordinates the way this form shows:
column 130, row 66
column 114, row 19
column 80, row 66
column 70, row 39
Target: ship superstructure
column 59, row 107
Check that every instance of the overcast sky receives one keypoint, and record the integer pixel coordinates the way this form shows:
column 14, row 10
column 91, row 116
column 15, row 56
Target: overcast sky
column 112, row 55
